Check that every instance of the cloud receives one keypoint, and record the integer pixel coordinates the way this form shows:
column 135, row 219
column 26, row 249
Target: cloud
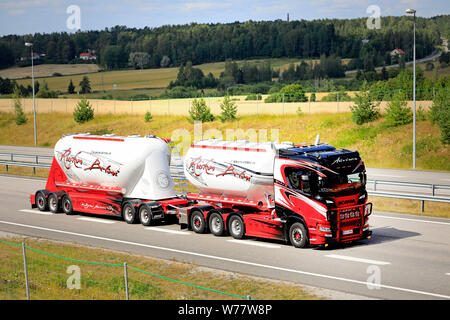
column 203, row 5
column 14, row 8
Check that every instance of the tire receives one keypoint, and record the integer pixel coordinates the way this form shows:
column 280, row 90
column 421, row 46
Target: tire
column 66, row 204
column 236, row 227
column 198, row 223
column 53, row 203
column 298, row 235
column 41, row 201
column 129, row 213
column 216, row 224
column 145, row 215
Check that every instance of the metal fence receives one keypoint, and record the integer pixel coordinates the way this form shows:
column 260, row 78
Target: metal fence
column 29, row 273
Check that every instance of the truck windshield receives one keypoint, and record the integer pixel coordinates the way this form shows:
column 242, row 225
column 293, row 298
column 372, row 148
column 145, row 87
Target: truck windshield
column 338, row 183
column 307, row 181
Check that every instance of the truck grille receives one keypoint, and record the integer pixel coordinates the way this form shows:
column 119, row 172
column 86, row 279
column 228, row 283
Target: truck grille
column 351, row 223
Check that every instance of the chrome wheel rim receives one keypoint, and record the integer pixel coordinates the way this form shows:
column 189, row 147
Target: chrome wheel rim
column 236, row 226
column 216, row 225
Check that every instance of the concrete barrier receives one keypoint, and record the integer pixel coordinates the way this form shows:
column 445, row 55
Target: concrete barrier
column 181, row 106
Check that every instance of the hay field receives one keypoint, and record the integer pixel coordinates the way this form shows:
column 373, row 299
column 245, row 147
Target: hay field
column 47, row 70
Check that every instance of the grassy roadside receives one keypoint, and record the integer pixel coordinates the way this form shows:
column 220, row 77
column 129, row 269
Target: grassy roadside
column 102, row 276
column 380, row 146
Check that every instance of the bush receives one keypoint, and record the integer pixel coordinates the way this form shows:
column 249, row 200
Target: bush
column 229, row 109
column 289, row 93
column 83, row 111
column 254, row 97
column 440, row 114
column 397, row 112
column 148, row 116
column 20, row 115
column 45, row 92
column 333, row 96
column 364, row 110
column 199, row 111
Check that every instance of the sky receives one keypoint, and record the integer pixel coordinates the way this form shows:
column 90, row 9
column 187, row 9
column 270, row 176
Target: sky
column 46, row 16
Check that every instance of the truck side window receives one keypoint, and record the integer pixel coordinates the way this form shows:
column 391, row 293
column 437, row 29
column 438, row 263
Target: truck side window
column 301, row 180
column 295, row 179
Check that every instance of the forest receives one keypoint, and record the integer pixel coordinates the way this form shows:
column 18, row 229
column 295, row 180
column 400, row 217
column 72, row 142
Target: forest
column 174, row 45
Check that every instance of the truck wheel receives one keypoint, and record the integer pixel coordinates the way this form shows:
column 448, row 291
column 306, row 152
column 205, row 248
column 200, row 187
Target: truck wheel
column 53, row 203
column 129, row 213
column 216, row 224
column 298, row 235
column 41, row 201
column 198, row 223
column 67, row 206
column 145, row 215
column 236, row 227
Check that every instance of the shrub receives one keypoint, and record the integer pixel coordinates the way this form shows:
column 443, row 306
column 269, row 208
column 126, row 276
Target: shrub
column 440, row 114
column 421, row 114
column 20, row 115
column 148, row 116
column 364, row 110
column 289, row 93
column 83, row 111
column 312, row 98
column 229, row 109
column 254, row 96
column 199, row 111
column 397, row 112
column 45, row 92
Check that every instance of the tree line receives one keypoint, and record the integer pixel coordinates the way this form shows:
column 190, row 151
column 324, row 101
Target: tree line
column 175, row 45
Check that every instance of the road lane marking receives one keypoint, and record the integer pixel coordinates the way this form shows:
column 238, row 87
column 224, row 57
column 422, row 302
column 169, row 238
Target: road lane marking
column 254, row 264
column 96, row 220
column 253, row 243
column 369, row 261
column 47, row 213
column 409, row 219
column 167, row 230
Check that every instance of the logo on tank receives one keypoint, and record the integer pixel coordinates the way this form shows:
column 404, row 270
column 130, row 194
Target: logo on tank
column 81, row 160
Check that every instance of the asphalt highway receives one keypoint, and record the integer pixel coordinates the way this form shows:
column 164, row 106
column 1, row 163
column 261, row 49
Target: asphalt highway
column 408, row 256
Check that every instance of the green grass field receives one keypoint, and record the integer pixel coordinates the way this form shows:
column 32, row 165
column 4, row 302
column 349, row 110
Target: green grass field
column 379, row 145
column 102, row 276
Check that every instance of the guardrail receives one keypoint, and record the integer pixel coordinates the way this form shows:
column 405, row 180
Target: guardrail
column 433, row 187
column 175, row 171
column 13, row 157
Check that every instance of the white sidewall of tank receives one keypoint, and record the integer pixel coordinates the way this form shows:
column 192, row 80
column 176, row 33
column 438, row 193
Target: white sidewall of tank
column 234, row 173
column 131, row 164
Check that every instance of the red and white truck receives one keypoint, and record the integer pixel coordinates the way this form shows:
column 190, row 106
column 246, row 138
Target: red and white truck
column 302, row 194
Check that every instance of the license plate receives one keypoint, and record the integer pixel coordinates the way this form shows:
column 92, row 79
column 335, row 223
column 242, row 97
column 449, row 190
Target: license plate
column 346, row 232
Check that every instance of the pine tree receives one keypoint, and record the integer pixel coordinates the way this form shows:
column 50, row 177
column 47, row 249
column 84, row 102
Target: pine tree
column 229, row 109
column 85, row 85
column 71, row 87
column 20, row 115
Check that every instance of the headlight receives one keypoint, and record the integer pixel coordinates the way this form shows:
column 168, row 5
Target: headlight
column 325, row 229
column 368, row 209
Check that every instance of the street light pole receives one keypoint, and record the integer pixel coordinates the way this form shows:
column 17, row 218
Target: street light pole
column 412, row 11
column 28, row 44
